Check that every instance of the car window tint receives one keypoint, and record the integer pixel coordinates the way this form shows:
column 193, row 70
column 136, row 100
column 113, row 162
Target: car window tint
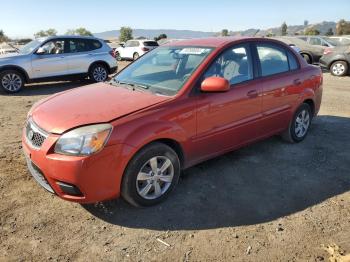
column 273, row 59
column 78, row 45
column 293, row 64
column 94, row 44
column 53, row 47
column 234, row 65
column 150, row 43
column 128, row 44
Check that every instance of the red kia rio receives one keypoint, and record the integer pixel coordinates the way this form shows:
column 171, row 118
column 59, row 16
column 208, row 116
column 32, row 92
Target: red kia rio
column 174, row 107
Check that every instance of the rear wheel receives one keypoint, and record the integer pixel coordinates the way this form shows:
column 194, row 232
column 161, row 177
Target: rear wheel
column 299, row 125
column 117, row 56
column 98, row 73
column 136, row 56
column 151, row 175
column 11, row 81
column 339, row 68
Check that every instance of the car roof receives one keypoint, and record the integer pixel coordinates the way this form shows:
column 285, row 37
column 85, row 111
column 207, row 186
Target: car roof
column 210, row 41
column 70, row 36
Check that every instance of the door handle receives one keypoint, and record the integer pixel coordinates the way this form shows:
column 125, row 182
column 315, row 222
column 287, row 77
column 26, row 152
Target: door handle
column 252, row 94
column 297, row 82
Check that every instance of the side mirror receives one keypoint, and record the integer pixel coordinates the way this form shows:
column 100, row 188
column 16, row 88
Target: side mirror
column 122, row 44
column 215, row 84
column 40, row 51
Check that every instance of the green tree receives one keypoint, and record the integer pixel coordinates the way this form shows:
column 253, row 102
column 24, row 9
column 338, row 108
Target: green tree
column 3, row 37
column 161, row 36
column 79, row 31
column 284, row 28
column 343, row 27
column 311, row 31
column 224, row 32
column 44, row 33
column 125, row 34
column 329, row 32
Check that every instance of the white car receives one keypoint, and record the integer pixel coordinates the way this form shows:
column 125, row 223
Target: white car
column 344, row 39
column 133, row 49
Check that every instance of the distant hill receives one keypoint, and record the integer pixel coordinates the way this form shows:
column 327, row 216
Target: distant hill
column 323, row 27
column 151, row 33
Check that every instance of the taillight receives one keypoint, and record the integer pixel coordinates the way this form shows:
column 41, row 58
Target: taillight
column 144, row 49
column 112, row 53
column 327, row 51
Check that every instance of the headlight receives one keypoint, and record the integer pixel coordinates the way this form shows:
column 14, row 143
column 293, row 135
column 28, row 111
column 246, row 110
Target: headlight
column 84, row 140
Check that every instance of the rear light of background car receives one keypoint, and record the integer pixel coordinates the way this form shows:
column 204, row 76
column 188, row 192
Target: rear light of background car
column 112, row 53
column 144, row 49
column 327, row 51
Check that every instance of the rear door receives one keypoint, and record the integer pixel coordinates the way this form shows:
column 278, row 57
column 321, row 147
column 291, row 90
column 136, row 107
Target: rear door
column 81, row 54
column 51, row 63
column 229, row 119
column 280, row 80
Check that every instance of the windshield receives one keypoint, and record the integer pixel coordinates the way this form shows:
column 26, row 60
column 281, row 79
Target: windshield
column 28, row 48
column 164, row 70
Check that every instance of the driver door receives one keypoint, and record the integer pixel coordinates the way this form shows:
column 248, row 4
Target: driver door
column 229, row 119
column 51, row 61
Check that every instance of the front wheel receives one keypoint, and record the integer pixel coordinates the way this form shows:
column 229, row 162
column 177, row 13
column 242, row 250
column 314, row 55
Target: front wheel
column 299, row 125
column 151, row 175
column 98, row 73
column 11, row 81
column 339, row 68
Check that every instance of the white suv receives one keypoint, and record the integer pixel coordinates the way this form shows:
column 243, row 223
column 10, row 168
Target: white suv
column 133, row 49
column 57, row 58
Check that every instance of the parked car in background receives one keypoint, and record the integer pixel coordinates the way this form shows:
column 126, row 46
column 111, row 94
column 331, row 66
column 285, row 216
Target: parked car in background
column 336, row 60
column 311, row 53
column 319, row 40
column 343, row 39
column 6, row 48
column 133, row 49
column 156, row 118
column 57, row 58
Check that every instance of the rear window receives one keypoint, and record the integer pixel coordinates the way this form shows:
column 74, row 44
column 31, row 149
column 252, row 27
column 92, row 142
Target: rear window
column 83, row 45
column 150, row 43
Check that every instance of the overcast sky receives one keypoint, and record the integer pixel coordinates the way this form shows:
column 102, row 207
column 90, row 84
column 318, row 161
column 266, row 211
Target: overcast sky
column 21, row 18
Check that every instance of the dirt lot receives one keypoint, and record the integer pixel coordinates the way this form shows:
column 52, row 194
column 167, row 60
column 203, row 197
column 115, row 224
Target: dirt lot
column 271, row 201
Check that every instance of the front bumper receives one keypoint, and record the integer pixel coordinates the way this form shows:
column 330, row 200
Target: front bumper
column 83, row 179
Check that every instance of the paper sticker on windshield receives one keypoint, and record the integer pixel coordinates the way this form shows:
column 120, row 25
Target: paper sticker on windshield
column 193, row 51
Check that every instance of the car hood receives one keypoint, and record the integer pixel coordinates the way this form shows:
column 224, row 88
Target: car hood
column 97, row 103
column 9, row 55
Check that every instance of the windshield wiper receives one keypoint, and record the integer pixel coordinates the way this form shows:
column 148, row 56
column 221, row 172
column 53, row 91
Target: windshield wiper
column 131, row 84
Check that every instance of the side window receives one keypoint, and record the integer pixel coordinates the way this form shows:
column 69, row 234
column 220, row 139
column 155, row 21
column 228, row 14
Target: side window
column 78, row 45
column 128, row 44
column 234, row 65
column 94, row 44
column 273, row 59
column 315, row 41
column 293, row 63
column 53, row 47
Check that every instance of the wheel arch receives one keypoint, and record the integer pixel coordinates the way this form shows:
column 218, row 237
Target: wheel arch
column 308, row 54
column 100, row 62
column 16, row 68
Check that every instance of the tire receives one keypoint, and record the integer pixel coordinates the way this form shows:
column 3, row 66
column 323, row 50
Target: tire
column 339, row 68
column 135, row 56
column 117, row 56
column 98, row 73
column 11, row 81
column 144, row 185
column 307, row 58
column 299, row 125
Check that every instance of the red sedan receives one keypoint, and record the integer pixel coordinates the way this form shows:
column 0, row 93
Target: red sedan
column 174, row 107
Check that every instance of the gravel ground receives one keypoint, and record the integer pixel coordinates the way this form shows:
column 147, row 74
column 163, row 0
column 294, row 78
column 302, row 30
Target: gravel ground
column 270, row 201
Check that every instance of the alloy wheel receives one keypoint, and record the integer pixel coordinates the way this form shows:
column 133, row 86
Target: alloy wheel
column 302, row 123
column 155, row 177
column 11, row 82
column 99, row 74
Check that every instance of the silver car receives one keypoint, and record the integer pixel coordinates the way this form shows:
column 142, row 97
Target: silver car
column 57, row 58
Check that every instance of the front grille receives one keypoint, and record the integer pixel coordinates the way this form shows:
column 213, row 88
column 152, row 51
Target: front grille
column 35, row 135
